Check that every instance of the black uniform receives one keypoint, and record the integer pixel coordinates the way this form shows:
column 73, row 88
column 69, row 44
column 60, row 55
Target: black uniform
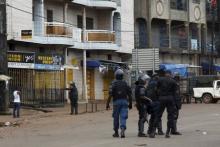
column 140, row 91
column 73, row 96
column 166, row 90
column 178, row 106
column 154, row 106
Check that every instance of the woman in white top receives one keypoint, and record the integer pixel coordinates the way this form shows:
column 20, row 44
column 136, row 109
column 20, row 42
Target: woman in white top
column 17, row 104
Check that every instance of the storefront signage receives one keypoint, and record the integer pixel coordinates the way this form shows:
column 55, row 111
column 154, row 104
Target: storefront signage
column 21, row 60
column 47, row 67
column 49, row 59
column 33, row 61
column 21, row 57
column 26, row 34
column 20, row 65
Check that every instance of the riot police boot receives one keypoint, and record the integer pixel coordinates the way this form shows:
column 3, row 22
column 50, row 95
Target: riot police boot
column 174, row 129
column 123, row 133
column 152, row 133
column 176, row 133
column 115, row 135
column 167, row 133
column 140, row 134
column 160, row 132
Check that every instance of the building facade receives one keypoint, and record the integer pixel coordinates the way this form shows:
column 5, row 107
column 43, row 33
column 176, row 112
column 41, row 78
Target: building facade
column 179, row 28
column 81, row 41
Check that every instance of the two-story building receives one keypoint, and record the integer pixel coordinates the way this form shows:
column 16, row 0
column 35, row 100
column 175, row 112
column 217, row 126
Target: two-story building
column 67, row 40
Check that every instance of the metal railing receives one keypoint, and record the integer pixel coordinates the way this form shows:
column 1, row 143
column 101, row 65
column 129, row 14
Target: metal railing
column 55, row 29
column 100, row 36
column 177, row 42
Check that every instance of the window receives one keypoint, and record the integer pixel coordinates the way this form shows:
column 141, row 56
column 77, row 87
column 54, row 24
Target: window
column 33, row 9
column 49, row 15
column 1, row 22
column 109, row 57
column 196, row 1
column 88, row 55
column 218, row 84
column 178, row 4
column 89, row 22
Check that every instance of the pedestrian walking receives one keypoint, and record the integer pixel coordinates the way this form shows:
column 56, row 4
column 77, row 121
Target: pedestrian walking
column 16, row 103
column 73, row 97
column 166, row 88
column 141, row 102
column 120, row 91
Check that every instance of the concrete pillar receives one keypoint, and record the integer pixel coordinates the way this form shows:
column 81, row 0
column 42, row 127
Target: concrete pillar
column 84, row 57
column 149, row 21
column 39, row 17
column 65, row 12
column 199, row 36
column 188, row 37
column 149, row 35
column 168, row 28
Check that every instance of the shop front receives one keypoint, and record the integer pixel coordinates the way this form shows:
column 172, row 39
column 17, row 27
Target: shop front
column 39, row 77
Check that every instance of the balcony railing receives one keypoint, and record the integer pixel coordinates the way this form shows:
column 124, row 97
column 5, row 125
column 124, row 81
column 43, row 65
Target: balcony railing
column 181, row 43
column 54, row 29
column 100, row 36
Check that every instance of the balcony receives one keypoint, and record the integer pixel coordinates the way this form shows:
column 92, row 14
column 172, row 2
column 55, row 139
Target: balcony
column 100, row 36
column 97, row 3
column 54, row 29
column 98, row 39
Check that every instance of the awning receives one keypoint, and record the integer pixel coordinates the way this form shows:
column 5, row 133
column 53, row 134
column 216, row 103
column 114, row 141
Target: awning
column 217, row 68
column 93, row 63
column 110, row 64
column 4, row 78
column 181, row 69
column 207, row 66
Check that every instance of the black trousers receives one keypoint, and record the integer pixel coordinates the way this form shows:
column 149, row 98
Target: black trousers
column 142, row 110
column 74, row 107
column 154, row 110
column 176, row 116
column 167, row 102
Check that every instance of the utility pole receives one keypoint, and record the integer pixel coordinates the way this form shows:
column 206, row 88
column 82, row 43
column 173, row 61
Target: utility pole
column 3, row 58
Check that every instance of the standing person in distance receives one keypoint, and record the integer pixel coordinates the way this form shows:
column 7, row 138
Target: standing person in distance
column 73, row 97
column 122, row 100
column 141, row 102
column 166, row 91
column 17, row 103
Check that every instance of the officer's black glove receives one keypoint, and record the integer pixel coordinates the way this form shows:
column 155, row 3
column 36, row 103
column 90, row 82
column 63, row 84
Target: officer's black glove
column 130, row 106
column 107, row 106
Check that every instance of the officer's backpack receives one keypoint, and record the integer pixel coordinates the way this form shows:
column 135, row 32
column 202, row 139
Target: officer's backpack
column 119, row 89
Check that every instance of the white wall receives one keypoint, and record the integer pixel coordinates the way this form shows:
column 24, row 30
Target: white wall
column 57, row 8
column 127, row 26
column 18, row 20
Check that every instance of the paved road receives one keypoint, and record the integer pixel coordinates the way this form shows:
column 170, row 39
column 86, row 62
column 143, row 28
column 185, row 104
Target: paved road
column 199, row 123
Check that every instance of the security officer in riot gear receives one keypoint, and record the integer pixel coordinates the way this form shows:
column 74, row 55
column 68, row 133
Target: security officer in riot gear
column 177, row 107
column 141, row 102
column 155, row 105
column 122, row 100
column 166, row 88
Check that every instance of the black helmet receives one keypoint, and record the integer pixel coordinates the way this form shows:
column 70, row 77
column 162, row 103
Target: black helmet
column 143, row 78
column 119, row 74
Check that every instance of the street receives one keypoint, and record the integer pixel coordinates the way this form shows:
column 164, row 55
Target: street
column 199, row 124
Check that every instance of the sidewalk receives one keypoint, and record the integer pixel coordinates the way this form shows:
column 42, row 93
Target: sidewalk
column 29, row 114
